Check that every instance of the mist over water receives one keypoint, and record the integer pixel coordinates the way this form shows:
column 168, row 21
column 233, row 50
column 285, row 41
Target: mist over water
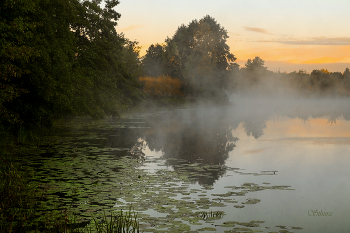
column 291, row 106
column 206, row 133
column 264, row 164
column 296, row 141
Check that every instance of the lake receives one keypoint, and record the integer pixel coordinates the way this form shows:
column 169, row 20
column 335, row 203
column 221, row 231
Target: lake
column 256, row 165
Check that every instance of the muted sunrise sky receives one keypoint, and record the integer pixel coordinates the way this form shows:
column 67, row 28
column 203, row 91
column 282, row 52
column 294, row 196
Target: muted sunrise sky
column 288, row 34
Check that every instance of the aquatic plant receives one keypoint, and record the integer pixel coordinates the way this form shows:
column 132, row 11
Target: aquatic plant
column 122, row 222
column 23, row 208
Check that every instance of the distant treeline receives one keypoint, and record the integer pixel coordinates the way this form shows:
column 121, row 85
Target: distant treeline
column 63, row 57
column 255, row 79
column 198, row 56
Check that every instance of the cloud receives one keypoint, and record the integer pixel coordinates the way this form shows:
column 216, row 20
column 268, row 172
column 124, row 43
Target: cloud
column 315, row 41
column 131, row 27
column 258, row 30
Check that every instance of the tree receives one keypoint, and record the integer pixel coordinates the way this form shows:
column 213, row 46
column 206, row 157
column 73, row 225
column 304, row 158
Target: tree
column 346, row 73
column 202, row 51
column 198, row 55
column 37, row 50
column 321, row 80
column 346, row 81
column 255, row 65
column 254, row 71
column 63, row 57
column 153, row 61
column 107, row 84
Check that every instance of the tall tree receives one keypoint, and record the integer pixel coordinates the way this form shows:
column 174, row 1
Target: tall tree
column 37, row 50
column 201, row 51
column 63, row 57
column 107, row 84
column 198, row 55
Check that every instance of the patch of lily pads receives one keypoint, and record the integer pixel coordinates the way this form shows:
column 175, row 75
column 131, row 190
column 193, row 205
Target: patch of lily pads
column 87, row 178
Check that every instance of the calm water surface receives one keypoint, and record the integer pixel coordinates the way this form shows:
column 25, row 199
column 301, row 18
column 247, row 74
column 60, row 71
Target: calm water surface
column 259, row 165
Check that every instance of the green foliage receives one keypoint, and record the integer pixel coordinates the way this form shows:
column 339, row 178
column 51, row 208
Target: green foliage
column 198, row 55
column 62, row 57
column 153, row 62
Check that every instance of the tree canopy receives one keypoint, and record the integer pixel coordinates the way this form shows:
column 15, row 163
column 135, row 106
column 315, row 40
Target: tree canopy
column 255, row 65
column 63, row 57
column 197, row 54
column 153, row 62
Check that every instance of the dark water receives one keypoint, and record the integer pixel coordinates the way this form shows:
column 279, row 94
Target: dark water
column 259, row 165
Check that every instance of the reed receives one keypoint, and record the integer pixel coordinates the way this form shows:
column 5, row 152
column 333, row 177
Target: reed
column 123, row 222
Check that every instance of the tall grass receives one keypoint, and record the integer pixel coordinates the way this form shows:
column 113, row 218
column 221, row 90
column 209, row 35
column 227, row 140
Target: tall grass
column 123, row 222
column 162, row 86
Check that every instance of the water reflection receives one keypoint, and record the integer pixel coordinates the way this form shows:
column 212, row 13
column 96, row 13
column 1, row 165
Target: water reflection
column 204, row 135
column 186, row 137
column 254, row 126
column 255, row 113
column 201, row 145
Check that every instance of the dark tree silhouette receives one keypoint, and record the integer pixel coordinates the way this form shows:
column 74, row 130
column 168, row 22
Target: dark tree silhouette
column 255, row 65
column 198, row 55
column 346, row 73
column 153, row 61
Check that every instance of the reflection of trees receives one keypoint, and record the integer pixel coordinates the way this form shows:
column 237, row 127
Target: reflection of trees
column 198, row 141
column 193, row 138
column 253, row 113
column 331, row 109
column 128, row 138
column 254, row 127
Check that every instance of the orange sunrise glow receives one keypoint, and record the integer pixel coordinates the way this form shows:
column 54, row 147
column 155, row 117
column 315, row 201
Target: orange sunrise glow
column 319, row 127
column 286, row 36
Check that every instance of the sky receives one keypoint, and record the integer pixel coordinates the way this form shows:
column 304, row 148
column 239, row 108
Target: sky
column 288, row 35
